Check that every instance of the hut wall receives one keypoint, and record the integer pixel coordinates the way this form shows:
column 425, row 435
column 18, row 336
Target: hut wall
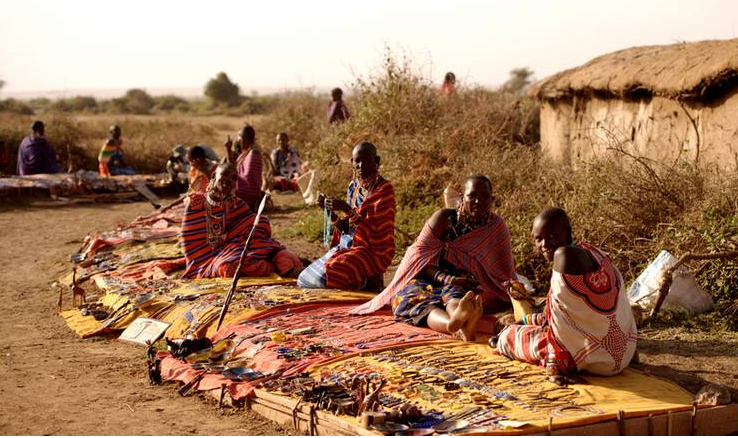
column 659, row 128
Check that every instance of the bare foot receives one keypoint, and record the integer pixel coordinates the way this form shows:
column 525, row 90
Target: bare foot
column 470, row 328
column 463, row 312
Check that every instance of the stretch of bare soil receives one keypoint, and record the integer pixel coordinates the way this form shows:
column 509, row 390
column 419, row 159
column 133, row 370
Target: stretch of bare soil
column 53, row 383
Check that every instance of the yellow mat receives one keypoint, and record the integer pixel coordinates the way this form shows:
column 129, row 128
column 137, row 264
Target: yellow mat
column 517, row 390
column 193, row 306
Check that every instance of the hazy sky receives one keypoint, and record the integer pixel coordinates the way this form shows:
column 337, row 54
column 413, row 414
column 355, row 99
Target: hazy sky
column 154, row 44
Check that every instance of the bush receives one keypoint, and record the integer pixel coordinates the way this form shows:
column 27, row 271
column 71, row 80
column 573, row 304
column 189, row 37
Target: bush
column 76, row 104
column 16, row 107
column 222, row 91
column 170, row 102
column 629, row 206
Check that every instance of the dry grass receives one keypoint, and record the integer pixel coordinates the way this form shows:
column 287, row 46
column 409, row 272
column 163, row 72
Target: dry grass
column 631, row 207
column 147, row 140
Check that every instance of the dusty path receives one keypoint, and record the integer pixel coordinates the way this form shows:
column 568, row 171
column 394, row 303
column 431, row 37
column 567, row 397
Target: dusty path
column 51, row 382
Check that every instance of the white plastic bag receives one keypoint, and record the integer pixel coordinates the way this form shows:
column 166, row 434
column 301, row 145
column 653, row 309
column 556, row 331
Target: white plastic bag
column 684, row 293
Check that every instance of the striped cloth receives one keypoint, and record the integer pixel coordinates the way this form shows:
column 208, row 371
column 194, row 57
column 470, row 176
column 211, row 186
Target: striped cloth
column 373, row 244
column 248, row 185
column 588, row 324
column 484, row 252
column 106, row 155
column 314, row 275
column 204, row 261
column 366, row 250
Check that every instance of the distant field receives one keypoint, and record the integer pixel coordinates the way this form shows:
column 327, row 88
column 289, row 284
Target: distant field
column 147, row 139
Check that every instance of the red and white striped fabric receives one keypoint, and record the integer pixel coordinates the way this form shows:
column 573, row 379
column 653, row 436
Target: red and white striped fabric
column 484, row 252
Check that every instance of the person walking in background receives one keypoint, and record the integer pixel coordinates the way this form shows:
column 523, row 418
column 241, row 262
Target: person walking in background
column 449, row 84
column 337, row 111
column 110, row 160
column 35, row 154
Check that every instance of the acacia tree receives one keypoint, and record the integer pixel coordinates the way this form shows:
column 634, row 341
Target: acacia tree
column 519, row 80
column 221, row 90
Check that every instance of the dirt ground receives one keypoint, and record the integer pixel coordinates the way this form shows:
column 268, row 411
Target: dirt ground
column 53, row 383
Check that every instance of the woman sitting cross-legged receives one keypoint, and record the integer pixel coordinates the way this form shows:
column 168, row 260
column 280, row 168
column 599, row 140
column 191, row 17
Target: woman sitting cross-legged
column 215, row 227
column 455, row 269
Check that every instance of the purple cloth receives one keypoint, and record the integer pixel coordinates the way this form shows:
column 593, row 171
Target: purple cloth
column 337, row 112
column 35, row 155
column 248, row 184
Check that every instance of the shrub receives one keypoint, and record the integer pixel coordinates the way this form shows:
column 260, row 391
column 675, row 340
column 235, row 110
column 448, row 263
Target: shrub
column 15, row 106
column 221, row 90
column 169, row 103
column 75, row 104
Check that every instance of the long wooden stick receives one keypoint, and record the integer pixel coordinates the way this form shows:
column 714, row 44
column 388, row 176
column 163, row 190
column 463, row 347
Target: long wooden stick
column 237, row 275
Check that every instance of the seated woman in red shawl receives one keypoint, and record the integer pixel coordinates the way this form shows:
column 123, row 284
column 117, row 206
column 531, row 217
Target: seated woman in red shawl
column 455, row 269
column 363, row 243
column 215, row 227
column 587, row 324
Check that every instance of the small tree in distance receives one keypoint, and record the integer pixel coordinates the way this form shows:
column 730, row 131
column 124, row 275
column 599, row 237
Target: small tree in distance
column 519, row 80
column 221, row 90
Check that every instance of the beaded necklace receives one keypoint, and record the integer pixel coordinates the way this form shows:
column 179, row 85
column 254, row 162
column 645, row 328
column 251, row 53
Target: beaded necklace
column 215, row 225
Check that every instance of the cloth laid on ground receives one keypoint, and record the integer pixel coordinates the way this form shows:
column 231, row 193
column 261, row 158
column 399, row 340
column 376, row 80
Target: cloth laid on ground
column 484, row 252
column 287, row 341
column 503, row 389
column 192, row 306
column 587, row 325
column 365, row 249
column 213, row 237
column 158, row 230
column 35, row 155
column 132, row 253
column 79, row 183
column 172, row 215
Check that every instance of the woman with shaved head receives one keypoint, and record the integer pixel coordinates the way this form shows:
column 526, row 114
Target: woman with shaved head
column 455, row 269
column 214, row 229
column 587, row 324
column 363, row 243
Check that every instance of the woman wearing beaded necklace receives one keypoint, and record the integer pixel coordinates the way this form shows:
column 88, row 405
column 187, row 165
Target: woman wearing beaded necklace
column 363, row 243
column 214, row 230
column 455, row 268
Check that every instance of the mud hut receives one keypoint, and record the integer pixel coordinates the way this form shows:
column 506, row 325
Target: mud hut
column 667, row 103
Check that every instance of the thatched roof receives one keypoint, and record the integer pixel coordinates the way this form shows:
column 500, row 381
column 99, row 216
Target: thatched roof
column 701, row 70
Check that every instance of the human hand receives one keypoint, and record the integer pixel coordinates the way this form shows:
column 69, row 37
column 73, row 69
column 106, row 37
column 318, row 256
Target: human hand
column 228, row 144
column 321, row 200
column 517, row 290
column 466, row 283
column 334, row 204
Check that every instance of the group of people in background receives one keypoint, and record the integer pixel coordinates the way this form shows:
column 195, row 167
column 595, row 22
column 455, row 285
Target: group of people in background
column 37, row 156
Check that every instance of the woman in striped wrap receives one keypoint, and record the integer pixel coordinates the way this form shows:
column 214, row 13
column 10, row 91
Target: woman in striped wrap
column 587, row 324
column 363, row 242
column 215, row 227
column 455, row 269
